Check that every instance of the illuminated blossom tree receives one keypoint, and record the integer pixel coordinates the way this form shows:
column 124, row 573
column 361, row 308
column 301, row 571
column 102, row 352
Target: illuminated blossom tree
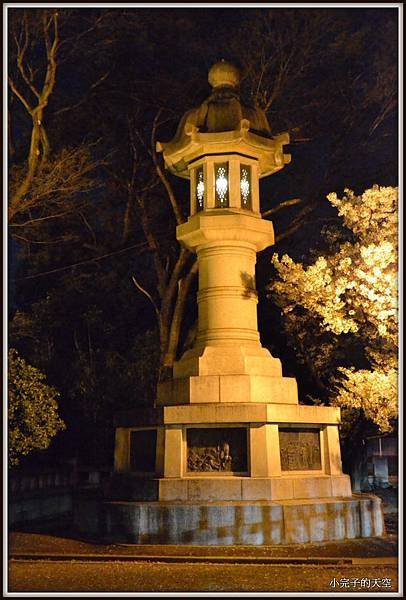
column 351, row 294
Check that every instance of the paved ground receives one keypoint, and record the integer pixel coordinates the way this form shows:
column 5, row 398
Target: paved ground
column 26, row 545
column 61, row 564
column 115, row 576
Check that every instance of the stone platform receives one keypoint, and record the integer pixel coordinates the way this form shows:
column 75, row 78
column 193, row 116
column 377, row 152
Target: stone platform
column 132, row 488
column 232, row 522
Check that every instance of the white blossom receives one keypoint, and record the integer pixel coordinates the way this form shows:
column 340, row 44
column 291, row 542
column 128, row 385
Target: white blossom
column 354, row 291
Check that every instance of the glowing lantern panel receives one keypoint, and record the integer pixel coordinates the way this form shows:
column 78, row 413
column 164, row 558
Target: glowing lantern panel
column 200, row 188
column 221, row 185
column 245, row 187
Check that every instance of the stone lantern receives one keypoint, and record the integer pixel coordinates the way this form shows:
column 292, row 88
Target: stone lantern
column 224, row 148
column 228, row 456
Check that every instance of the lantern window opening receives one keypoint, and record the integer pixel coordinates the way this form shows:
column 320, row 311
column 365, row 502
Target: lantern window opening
column 221, row 185
column 245, row 187
column 200, row 189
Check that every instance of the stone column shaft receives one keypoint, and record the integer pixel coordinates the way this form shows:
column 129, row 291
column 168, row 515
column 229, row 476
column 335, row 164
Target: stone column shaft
column 227, row 299
column 226, row 243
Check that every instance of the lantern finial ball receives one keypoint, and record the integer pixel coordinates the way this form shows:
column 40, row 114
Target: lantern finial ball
column 224, row 73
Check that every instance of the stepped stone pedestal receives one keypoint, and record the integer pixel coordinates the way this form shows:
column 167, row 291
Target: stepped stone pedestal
column 228, row 455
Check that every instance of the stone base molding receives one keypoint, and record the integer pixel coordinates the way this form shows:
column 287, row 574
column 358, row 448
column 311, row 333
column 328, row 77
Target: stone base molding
column 233, row 522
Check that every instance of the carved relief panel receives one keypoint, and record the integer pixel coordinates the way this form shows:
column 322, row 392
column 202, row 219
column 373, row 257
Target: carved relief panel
column 216, row 449
column 300, row 449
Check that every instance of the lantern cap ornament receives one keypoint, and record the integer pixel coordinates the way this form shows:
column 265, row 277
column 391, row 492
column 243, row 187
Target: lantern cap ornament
column 223, row 74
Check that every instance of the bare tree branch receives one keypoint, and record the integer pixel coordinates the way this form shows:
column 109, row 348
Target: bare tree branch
column 31, row 221
column 42, row 242
column 19, row 95
column 141, row 247
column 39, row 146
column 148, row 295
column 280, row 206
column 86, row 222
column 297, row 222
column 162, row 176
column 21, row 56
column 85, row 97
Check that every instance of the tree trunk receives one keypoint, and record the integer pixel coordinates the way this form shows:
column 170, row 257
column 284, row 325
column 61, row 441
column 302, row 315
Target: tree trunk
column 173, row 331
column 357, row 462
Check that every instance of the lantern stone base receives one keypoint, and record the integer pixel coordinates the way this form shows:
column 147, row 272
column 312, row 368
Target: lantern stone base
column 283, row 482
column 232, row 522
column 214, row 488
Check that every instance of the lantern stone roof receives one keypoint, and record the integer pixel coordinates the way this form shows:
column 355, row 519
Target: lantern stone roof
column 223, row 110
column 223, row 124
